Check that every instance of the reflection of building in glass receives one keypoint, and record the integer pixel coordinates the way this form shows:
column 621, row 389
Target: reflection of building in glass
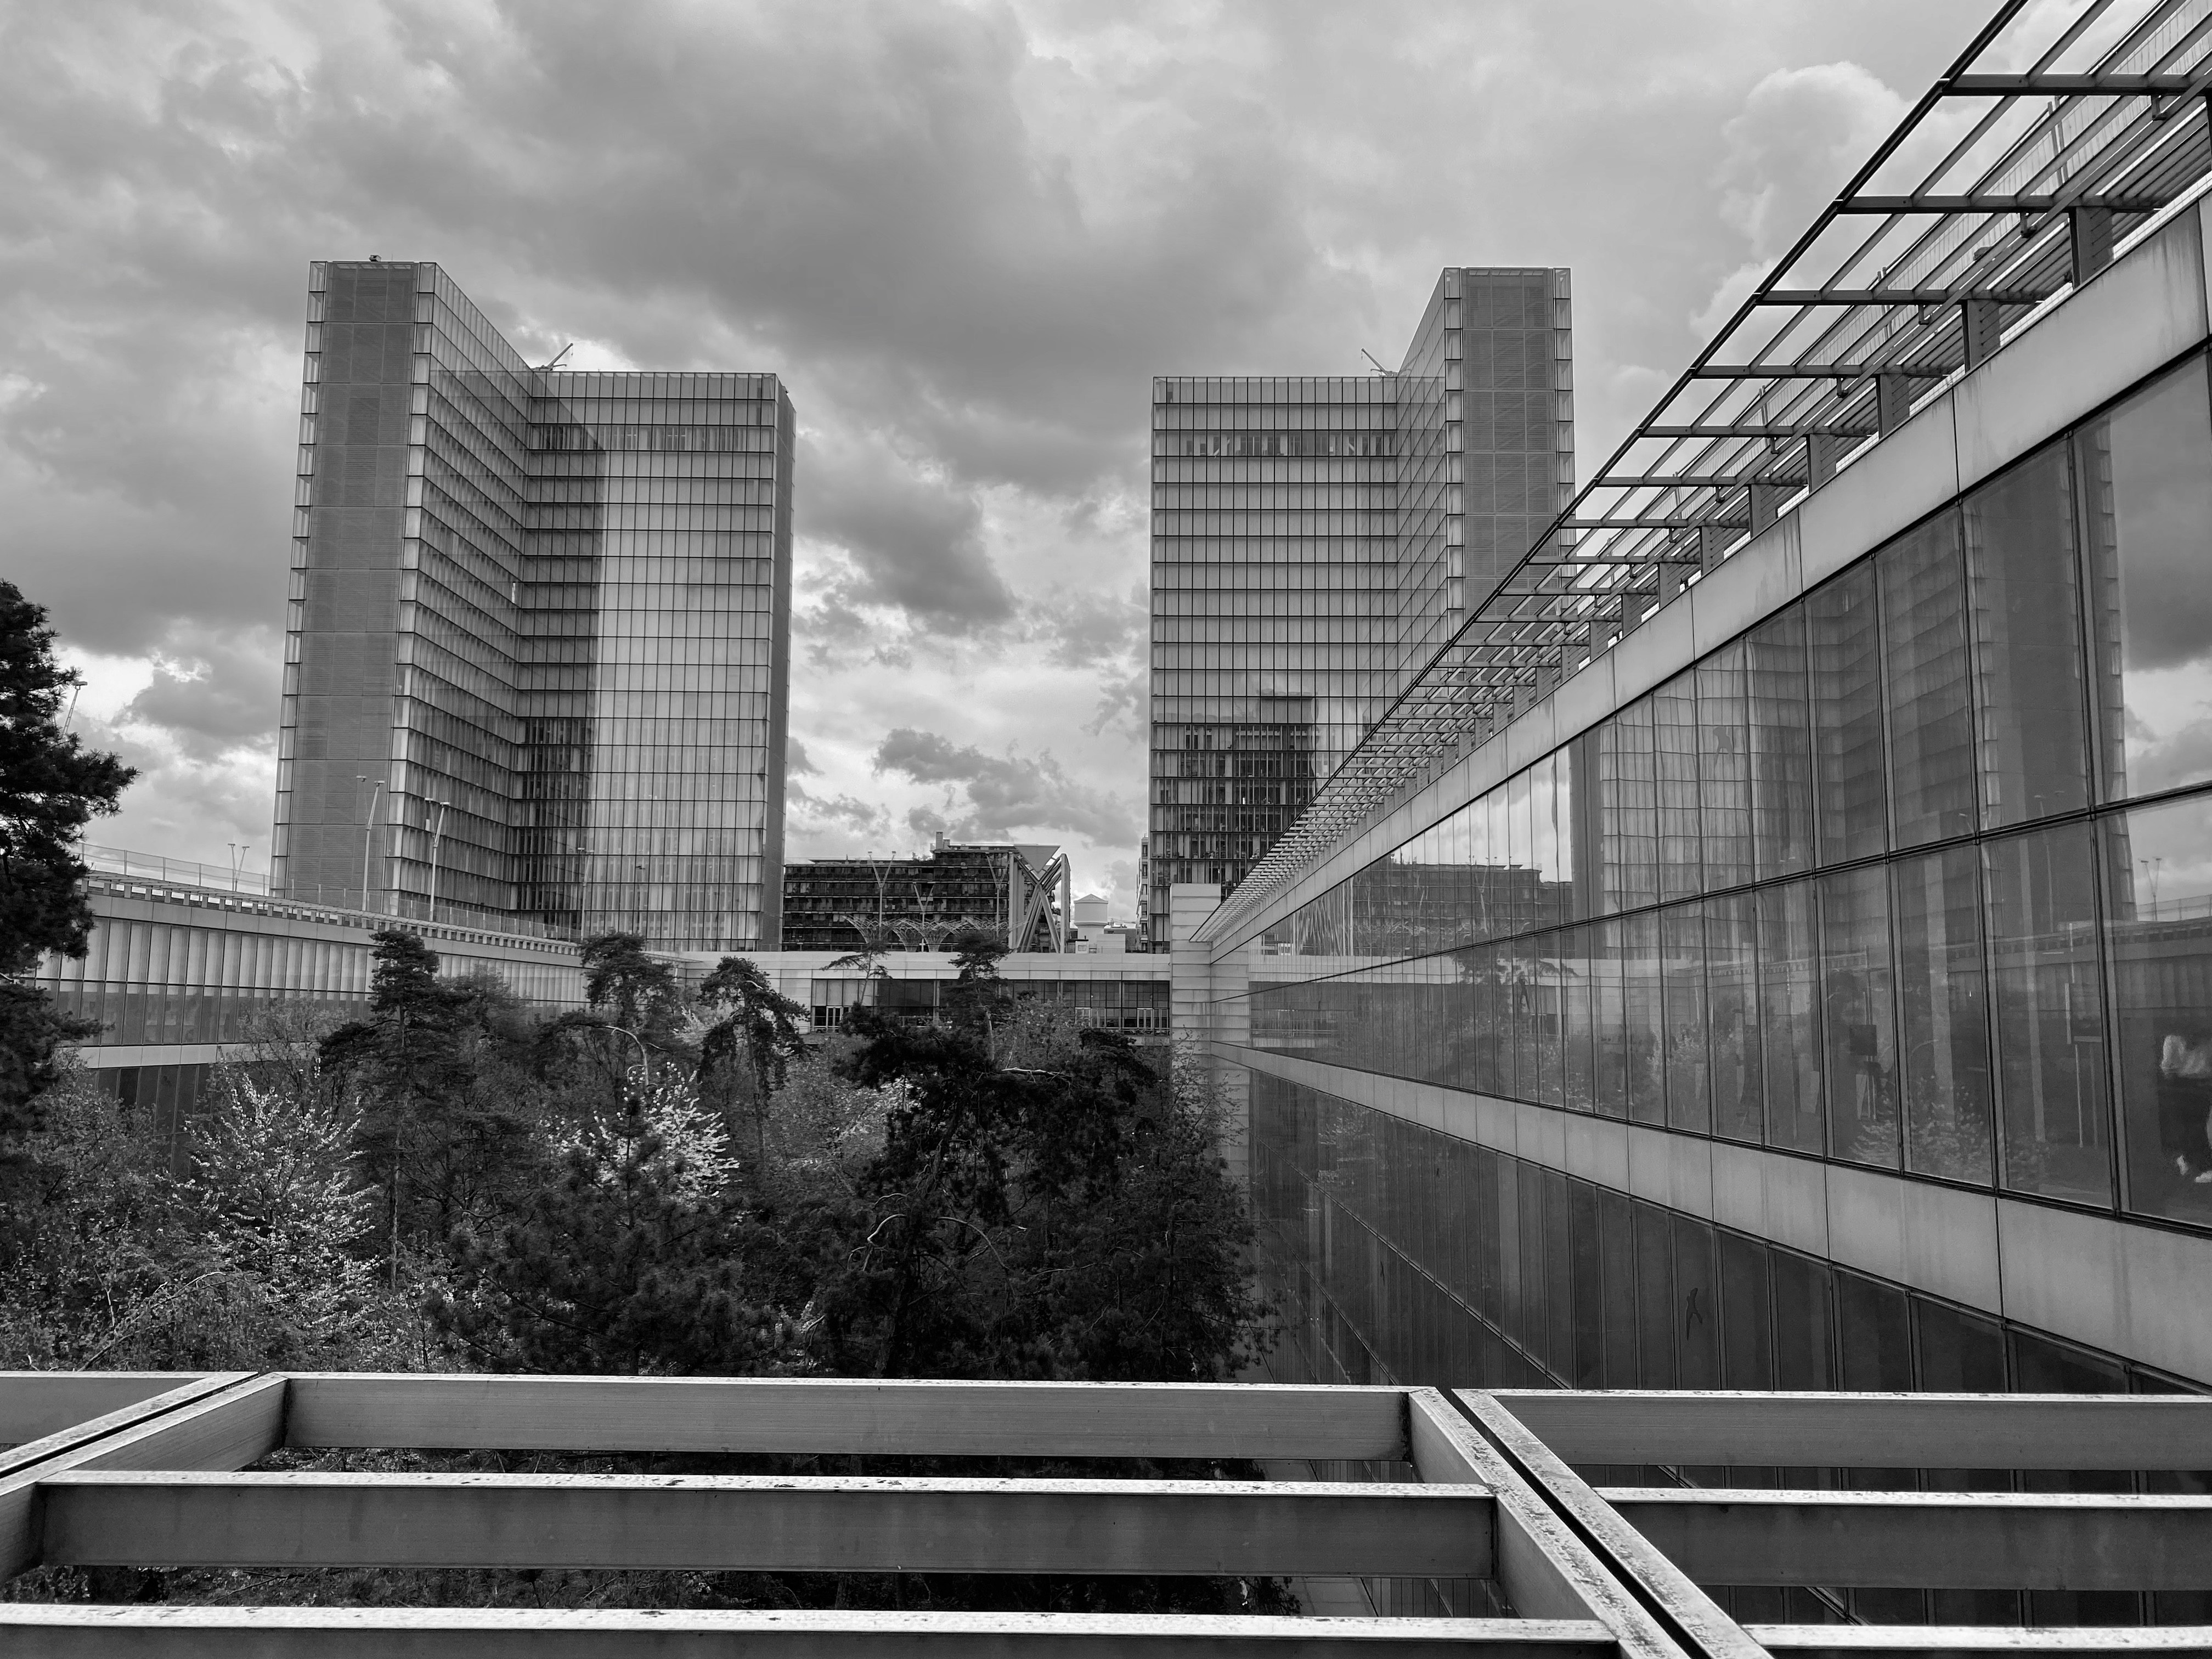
column 537, row 657
column 1314, row 540
column 1773, row 947
column 1014, row 893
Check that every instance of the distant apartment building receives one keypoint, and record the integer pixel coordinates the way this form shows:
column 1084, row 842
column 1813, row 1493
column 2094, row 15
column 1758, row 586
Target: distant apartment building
column 1016, row 893
column 1316, row 539
column 537, row 646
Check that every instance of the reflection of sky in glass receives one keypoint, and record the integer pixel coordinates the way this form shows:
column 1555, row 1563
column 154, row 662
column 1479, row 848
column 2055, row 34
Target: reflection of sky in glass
column 2148, row 470
column 2168, row 851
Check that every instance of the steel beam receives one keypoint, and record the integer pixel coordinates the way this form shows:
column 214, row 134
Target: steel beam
column 1927, row 1540
column 1899, row 296
column 765, row 1523
column 225, row 1429
column 764, row 1414
column 1996, row 202
column 35, row 1404
column 2034, row 85
column 1819, row 371
column 1954, row 1641
column 1882, row 1430
column 1805, row 430
column 139, row 1396
column 1691, row 1615
column 1545, row 1570
column 182, row 1632
column 1695, row 481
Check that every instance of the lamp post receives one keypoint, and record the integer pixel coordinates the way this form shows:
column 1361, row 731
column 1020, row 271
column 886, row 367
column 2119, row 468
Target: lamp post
column 368, row 829
column 437, row 836
column 644, row 1055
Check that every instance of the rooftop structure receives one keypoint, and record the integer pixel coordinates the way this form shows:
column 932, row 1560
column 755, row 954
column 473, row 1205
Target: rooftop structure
column 1463, row 1509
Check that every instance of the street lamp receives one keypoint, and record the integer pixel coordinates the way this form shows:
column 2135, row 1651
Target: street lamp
column 644, row 1055
column 367, row 829
column 437, row 836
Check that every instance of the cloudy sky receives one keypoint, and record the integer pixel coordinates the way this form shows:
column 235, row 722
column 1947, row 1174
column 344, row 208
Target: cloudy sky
column 965, row 234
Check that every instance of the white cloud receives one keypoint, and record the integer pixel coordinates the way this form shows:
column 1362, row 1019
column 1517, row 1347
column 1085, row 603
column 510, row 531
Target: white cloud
column 967, row 235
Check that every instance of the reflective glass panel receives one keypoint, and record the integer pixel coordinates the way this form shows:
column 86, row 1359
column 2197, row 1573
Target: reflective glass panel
column 1682, row 996
column 1845, row 641
column 1780, row 734
column 1608, row 1016
column 1647, row 1098
column 2158, row 926
column 1943, row 1006
column 1574, row 966
column 1628, row 808
column 1725, row 767
column 1674, row 762
column 1790, row 1017
column 2144, row 473
column 1858, row 1017
column 1732, row 1008
column 1924, row 681
column 2030, row 699
column 2054, row 1095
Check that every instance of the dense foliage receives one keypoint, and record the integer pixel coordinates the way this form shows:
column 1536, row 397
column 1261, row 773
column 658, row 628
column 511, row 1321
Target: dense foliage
column 51, row 787
column 660, row 1183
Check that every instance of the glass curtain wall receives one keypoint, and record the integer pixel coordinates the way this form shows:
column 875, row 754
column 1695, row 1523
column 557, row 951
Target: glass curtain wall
column 1486, row 423
column 669, row 524
column 537, row 654
column 1397, row 1255
column 1850, row 886
column 1270, row 594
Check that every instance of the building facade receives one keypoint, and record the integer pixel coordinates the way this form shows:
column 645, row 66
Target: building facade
column 1014, row 893
column 1813, row 989
column 536, row 653
column 1313, row 541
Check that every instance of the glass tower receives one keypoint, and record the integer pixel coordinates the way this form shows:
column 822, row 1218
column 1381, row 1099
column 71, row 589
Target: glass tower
column 536, row 653
column 1271, row 596
column 1485, row 447
column 1315, row 541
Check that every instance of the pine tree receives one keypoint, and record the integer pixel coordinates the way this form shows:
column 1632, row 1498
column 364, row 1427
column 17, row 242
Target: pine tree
column 1055, row 1213
column 51, row 786
column 635, row 1259
column 744, row 1054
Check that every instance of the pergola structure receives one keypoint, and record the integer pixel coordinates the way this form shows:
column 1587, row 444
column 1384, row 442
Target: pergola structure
column 2059, row 137
column 158, row 1470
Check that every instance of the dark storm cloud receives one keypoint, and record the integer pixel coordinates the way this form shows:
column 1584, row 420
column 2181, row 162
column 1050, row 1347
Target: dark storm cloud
column 1004, row 794
column 212, row 691
column 916, row 543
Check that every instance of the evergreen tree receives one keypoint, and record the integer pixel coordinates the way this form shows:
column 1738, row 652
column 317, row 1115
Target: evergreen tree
column 1063, row 1214
column 449, row 1103
column 744, row 1054
column 51, row 786
column 633, row 1259
column 627, row 987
